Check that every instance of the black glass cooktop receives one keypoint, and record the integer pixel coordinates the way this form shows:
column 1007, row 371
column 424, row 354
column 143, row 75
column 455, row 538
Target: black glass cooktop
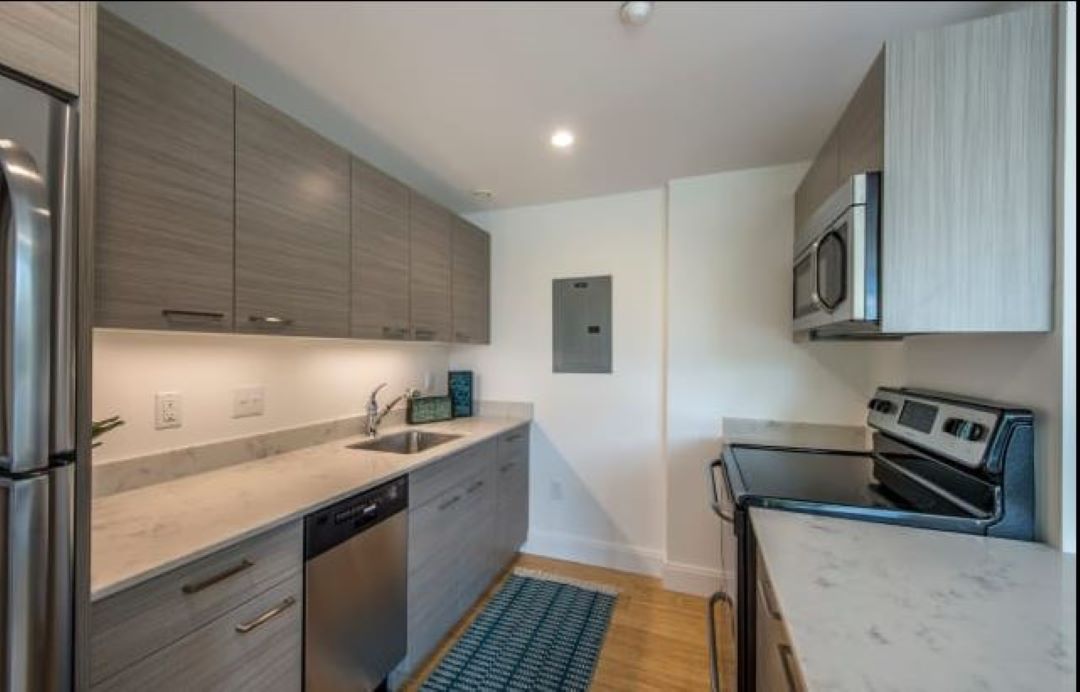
column 779, row 477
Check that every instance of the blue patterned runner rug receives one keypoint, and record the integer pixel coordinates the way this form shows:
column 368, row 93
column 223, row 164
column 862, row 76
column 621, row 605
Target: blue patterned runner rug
column 539, row 632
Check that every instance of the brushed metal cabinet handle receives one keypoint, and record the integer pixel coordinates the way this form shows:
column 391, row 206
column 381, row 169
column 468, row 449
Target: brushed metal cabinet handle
column 474, row 487
column 271, row 320
column 424, row 334
column 170, row 313
column 507, row 466
column 267, row 616
column 221, row 576
column 787, row 660
column 514, row 437
column 395, row 332
column 449, row 503
column 462, row 337
column 714, row 671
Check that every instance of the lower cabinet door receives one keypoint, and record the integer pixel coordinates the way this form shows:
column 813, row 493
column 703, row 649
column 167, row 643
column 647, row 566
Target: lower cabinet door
column 512, row 510
column 256, row 646
column 436, row 556
column 478, row 543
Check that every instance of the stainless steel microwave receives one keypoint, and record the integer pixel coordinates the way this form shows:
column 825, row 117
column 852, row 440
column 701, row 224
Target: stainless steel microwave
column 837, row 267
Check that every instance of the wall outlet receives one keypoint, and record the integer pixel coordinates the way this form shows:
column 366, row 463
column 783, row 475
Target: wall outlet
column 168, row 411
column 556, row 491
column 249, row 401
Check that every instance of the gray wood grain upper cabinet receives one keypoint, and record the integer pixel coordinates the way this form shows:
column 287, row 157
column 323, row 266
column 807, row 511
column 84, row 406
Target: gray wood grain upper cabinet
column 164, row 238
column 961, row 122
column 41, row 40
column 292, row 226
column 968, row 211
column 819, row 182
column 471, row 282
column 430, row 232
column 380, row 255
column 856, row 145
column 860, row 134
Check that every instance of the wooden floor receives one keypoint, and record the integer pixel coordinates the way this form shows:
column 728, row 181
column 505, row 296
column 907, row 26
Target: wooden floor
column 657, row 639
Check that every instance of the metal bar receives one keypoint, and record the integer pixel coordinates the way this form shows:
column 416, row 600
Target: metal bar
column 222, row 576
column 714, row 671
column 267, row 616
column 715, row 502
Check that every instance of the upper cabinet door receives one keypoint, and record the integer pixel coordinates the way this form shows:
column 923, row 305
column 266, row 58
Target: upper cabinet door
column 292, row 226
column 430, row 230
column 860, row 140
column 41, row 39
column 820, row 181
column 164, row 238
column 471, row 277
column 380, row 255
column 968, row 209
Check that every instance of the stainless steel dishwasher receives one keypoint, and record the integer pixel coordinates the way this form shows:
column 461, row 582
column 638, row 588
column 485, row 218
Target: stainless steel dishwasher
column 355, row 567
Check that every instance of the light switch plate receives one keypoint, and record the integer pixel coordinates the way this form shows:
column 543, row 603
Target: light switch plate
column 168, row 410
column 249, row 401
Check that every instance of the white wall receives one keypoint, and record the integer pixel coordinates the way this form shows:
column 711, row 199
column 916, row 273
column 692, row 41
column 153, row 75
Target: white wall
column 306, row 381
column 597, row 472
column 730, row 350
column 1067, row 271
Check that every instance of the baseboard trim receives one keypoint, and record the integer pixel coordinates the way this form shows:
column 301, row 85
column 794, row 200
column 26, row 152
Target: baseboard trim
column 590, row 551
column 691, row 579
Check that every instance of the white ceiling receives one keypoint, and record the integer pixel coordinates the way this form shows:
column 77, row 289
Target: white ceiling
column 456, row 96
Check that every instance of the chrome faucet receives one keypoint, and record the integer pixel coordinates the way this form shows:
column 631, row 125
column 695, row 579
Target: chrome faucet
column 375, row 416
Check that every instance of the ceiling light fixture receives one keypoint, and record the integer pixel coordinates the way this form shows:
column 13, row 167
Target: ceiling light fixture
column 562, row 139
column 635, row 13
column 483, row 193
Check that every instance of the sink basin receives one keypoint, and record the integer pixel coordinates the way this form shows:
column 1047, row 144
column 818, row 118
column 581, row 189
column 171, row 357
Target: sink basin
column 407, row 442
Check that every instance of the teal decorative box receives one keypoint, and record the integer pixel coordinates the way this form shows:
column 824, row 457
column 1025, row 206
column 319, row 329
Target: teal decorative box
column 428, row 409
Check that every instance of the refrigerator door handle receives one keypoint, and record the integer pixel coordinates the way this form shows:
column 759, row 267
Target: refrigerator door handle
column 26, row 272
column 64, row 126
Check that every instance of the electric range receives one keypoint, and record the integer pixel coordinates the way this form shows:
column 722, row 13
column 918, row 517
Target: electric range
column 938, row 461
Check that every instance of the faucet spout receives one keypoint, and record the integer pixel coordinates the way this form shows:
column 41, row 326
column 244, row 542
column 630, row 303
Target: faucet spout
column 375, row 416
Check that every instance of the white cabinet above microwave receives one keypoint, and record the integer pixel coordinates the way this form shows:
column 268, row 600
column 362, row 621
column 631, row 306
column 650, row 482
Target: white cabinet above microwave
column 957, row 233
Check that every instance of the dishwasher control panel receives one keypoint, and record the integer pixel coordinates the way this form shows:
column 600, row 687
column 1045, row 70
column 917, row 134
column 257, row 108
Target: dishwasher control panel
column 340, row 521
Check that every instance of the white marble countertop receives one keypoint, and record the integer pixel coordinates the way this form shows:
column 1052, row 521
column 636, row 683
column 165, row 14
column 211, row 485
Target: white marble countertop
column 875, row 607
column 142, row 533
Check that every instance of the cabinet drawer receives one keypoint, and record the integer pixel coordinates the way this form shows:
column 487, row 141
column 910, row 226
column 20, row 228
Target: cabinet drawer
column 132, row 624
column 436, row 478
column 514, row 443
column 256, row 646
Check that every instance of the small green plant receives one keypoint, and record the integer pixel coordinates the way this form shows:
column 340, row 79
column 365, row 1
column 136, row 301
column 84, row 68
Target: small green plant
column 100, row 427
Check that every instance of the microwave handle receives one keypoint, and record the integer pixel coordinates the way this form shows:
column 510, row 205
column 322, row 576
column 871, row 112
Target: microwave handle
column 815, row 294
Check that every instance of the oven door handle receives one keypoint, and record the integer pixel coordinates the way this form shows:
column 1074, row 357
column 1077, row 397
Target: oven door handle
column 714, row 501
column 714, row 659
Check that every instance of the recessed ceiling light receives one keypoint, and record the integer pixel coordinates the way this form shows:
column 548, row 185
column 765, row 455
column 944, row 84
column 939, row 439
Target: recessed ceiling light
column 483, row 193
column 562, row 139
column 635, row 13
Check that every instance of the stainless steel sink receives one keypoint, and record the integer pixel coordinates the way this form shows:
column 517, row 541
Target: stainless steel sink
column 406, row 442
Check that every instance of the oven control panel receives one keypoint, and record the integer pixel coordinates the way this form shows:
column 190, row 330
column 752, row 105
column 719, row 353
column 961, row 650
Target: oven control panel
column 954, row 429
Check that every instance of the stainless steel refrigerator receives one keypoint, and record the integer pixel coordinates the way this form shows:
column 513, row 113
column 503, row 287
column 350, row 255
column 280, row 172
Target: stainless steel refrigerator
column 37, row 420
